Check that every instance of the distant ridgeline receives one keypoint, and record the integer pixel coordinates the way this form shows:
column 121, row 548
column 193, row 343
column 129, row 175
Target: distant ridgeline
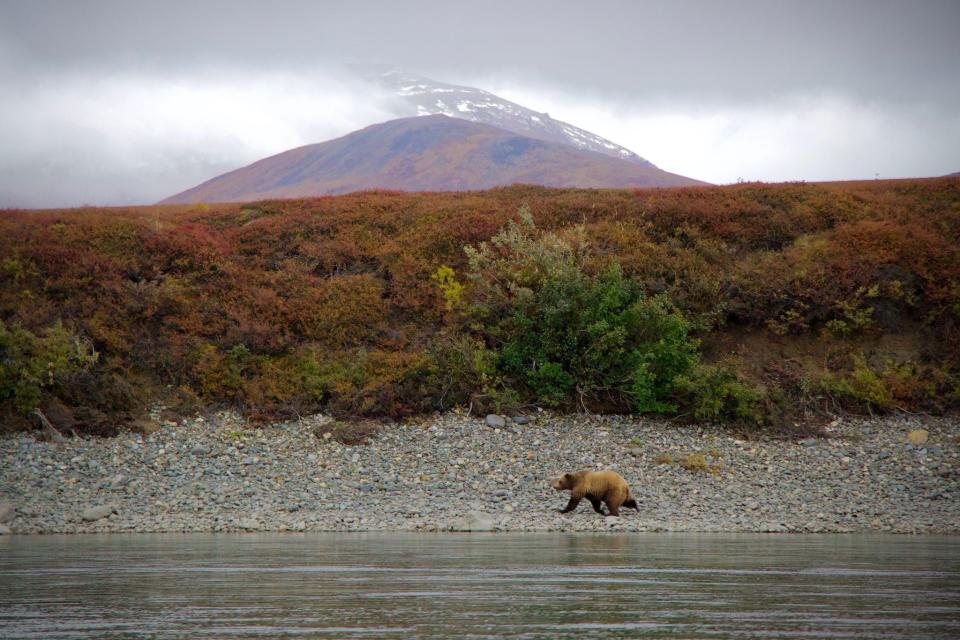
column 427, row 153
column 752, row 303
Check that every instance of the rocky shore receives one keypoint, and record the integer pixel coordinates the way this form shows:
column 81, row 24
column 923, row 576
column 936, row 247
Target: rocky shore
column 455, row 472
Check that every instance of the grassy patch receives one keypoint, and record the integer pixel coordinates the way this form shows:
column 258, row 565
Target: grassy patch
column 663, row 458
column 758, row 305
column 350, row 433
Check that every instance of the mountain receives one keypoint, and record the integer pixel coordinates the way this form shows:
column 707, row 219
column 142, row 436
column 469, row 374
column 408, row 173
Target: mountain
column 426, row 153
column 421, row 96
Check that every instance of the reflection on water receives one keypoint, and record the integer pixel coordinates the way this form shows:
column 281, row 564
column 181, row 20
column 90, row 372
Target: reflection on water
column 479, row 585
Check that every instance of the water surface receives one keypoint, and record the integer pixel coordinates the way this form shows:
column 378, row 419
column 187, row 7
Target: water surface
column 390, row 585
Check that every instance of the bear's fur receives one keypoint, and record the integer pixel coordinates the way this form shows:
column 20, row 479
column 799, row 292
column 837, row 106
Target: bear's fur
column 596, row 486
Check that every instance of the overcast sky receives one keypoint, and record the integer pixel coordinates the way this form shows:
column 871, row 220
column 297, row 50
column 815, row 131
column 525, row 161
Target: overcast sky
column 129, row 102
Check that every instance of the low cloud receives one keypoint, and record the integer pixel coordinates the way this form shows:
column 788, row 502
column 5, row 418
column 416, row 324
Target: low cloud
column 824, row 136
column 111, row 101
column 131, row 139
column 134, row 138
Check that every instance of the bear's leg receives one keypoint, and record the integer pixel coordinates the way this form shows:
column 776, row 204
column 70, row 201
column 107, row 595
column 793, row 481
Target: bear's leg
column 595, row 501
column 632, row 504
column 613, row 504
column 571, row 505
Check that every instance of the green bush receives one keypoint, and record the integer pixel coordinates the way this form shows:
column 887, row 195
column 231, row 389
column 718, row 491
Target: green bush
column 563, row 336
column 466, row 374
column 366, row 382
column 30, row 364
column 861, row 385
column 716, row 393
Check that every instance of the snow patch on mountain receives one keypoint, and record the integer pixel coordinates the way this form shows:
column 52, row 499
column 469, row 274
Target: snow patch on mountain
column 421, row 96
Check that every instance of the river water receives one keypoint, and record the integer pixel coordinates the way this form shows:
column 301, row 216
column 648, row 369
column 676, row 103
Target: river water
column 479, row 585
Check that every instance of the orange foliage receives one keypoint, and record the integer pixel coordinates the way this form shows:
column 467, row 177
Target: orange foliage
column 168, row 291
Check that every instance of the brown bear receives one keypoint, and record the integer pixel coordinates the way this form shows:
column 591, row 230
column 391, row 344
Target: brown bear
column 597, row 487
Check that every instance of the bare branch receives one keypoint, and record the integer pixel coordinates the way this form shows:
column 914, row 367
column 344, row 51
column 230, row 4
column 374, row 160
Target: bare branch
column 48, row 429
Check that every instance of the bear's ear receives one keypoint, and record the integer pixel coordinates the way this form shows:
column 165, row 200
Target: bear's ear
column 568, row 476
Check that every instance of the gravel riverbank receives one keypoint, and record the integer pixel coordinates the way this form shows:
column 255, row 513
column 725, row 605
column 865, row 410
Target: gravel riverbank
column 456, row 472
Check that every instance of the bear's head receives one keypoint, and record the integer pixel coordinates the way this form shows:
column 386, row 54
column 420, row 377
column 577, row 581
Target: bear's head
column 564, row 482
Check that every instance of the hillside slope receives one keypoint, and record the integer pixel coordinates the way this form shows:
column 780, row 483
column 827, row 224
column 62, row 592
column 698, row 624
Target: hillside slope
column 808, row 298
column 428, row 153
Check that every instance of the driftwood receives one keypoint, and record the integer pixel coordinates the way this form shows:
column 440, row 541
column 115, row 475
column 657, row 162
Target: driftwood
column 49, row 430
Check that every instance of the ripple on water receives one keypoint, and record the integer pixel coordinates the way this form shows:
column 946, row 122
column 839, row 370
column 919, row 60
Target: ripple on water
column 516, row 585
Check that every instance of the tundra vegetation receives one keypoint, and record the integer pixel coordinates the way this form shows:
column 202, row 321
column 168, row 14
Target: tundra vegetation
column 757, row 304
